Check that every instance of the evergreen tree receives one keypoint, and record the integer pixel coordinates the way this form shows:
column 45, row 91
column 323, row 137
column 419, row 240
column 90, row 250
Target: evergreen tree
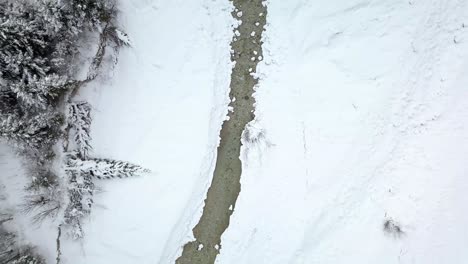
column 36, row 39
column 105, row 168
column 89, row 14
column 40, row 92
column 80, row 193
column 79, row 117
column 8, row 103
column 81, row 188
column 37, row 132
column 12, row 253
column 28, row 40
column 45, row 197
column 8, row 250
column 27, row 259
column 38, row 45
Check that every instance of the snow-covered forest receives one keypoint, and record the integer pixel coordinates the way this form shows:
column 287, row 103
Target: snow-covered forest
column 233, row 131
column 41, row 55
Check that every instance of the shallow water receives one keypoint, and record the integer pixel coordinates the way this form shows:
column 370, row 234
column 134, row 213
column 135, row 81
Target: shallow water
column 225, row 187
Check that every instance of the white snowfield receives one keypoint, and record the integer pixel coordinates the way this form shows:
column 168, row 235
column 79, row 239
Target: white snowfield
column 362, row 117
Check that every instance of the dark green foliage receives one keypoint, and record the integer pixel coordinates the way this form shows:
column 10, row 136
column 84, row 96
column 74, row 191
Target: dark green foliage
column 89, row 13
column 34, row 45
column 38, row 39
column 32, row 133
column 9, row 103
column 25, row 41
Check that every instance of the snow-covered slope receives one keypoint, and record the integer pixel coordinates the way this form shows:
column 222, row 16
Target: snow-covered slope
column 363, row 104
column 162, row 108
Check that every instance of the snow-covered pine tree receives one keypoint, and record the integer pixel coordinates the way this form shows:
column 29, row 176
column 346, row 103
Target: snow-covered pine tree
column 79, row 118
column 34, row 136
column 45, row 198
column 80, row 193
column 23, row 42
column 8, row 250
column 12, row 253
column 40, row 92
column 89, row 14
column 23, row 47
column 75, row 210
column 34, row 133
column 108, row 168
column 7, row 239
column 27, row 259
column 81, row 188
column 30, row 55
column 8, row 103
column 38, row 40
column 105, row 168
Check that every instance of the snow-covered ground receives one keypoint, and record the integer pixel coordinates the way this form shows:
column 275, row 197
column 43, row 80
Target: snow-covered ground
column 161, row 108
column 363, row 104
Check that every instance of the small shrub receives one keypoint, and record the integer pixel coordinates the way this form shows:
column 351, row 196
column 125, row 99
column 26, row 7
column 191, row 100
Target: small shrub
column 253, row 134
column 391, row 227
